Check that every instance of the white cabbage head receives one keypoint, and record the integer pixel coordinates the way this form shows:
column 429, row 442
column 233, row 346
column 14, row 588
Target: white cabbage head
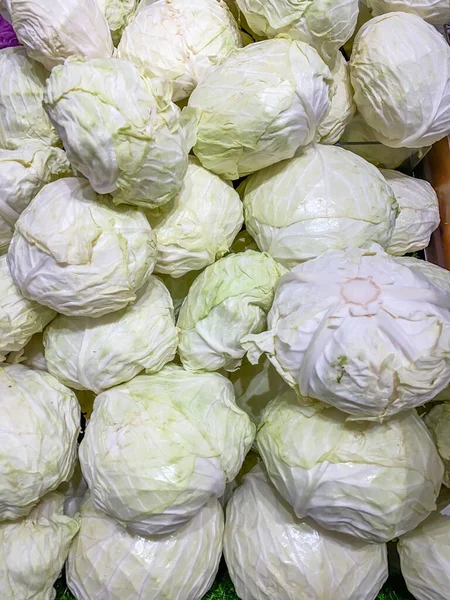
column 96, row 354
column 325, row 26
column 118, row 13
column 425, row 558
column 37, row 408
column 419, row 213
column 159, row 447
column 22, row 116
column 178, row 566
column 34, row 550
column 227, row 301
column 180, row 41
column 199, row 225
column 359, row 331
column 137, row 149
column 400, row 71
column 298, row 209
column 19, row 318
column 179, row 288
column 438, row 422
column 23, row 173
column 270, row 553
column 374, row 481
column 436, row 12
column 74, row 252
column 342, row 106
column 260, row 106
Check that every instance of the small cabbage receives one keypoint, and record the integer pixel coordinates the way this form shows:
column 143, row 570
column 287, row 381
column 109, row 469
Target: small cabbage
column 324, row 25
column 19, row 318
column 425, row 558
column 227, row 301
column 317, row 201
column 260, row 106
column 180, row 41
column 199, row 225
column 107, row 562
column 137, row 150
column 159, row 447
column 179, row 288
column 76, row 253
column 53, row 30
column 96, row 354
column 271, row 554
column 436, row 12
column 419, row 213
column 438, row 422
column 118, row 13
column 34, row 550
column 370, row 480
column 38, row 437
column 360, row 331
column 23, row 173
column 400, row 71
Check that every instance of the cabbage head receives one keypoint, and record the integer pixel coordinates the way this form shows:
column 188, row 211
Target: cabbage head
column 259, row 106
column 159, row 447
column 74, row 252
column 35, row 407
column 227, row 301
column 96, row 354
column 271, row 553
column 438, row 422
column 400, row 71
column 374, row 481
column 317, row 201
column 359, row 331
column 118, row 13
column 436, row 12
column 136, row 150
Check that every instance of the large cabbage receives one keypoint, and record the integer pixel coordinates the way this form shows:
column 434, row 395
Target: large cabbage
column 433, row 11
column 76, row 253
column 38, row 437
column 159, row 447
column 227, row 301
column 317, row 201
column 370, row 480
column 96, row 354
column 199, row 226
column 180, row 41
column 360, row 331
column 260, row 106
column 107, row 562
column 400, row 71
column 438, row 422
column 271, row 554
column 120, row 130
column 118, row 13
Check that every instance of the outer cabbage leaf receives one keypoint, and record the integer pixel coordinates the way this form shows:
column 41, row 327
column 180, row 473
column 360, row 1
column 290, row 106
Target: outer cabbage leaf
column 436, row 12
column 118, row 13
column 438, row 422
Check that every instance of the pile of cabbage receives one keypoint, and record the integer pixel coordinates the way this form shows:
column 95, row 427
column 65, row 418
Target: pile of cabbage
column 211, row 338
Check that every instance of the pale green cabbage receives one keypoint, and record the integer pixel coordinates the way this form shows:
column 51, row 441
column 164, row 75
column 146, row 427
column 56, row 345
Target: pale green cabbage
column 118, row 13
column 370, row 480
column 317, row 201
column 74, row 252
column 436, row 12
column 438, row 422
column 227, row 301
column 159, row 447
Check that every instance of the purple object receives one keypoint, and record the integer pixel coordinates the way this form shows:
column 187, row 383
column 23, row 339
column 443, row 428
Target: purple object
column 7, row 34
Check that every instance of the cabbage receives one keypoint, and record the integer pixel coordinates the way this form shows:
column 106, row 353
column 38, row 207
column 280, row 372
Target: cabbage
column 53, row 30
column 19, row 318
column 96, row 354
column 400, row 71
column 227, row 301
column 324, row 25
column 317, row 201
column 370, row 480
column 272, row 554
column 76, row 253
column 34, row 550
column 419, row 213
column 180, row 41
column 38, row 438
column 107, row 562
column 199, row 226
column 425, row 558
column 433, row 11
column 135, row 150
column 159, row 447
column 260, row 106
column 438, row 422
column 23, row 173
column 118, row 13
column 358, row 330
